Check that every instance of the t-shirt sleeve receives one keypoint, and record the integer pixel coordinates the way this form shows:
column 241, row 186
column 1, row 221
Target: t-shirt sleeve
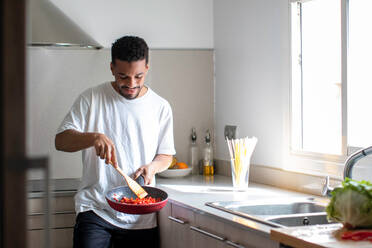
column 76, row 117
column 166, row 140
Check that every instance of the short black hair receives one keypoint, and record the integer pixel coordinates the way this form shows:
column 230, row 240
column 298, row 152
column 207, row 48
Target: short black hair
column 129, row 49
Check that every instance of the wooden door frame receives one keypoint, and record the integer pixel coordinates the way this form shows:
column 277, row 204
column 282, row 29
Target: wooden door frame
column 13, row 128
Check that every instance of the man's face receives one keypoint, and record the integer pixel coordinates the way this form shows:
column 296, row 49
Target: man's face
column 129, row 77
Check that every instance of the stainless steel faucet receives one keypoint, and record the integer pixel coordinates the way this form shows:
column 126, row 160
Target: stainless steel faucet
column 353, row 159
column 349, row 164
column 326, row 190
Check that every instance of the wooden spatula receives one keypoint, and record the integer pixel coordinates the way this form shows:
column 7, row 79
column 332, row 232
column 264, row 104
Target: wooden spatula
column 133, row 185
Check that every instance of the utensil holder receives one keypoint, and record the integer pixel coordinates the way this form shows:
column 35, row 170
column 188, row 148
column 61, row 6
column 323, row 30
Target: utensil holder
column 240, row 174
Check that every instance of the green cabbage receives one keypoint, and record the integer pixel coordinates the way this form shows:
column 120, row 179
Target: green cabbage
column 351, row 204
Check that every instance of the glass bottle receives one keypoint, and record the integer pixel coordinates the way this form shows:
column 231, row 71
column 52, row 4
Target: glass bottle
column 208, row 169
column 194, row 153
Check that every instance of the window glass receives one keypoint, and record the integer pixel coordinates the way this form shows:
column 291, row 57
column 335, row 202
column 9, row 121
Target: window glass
column 359, row 86
column 319, row 85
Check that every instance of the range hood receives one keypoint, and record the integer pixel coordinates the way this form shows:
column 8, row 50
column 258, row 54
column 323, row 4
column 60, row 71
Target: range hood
column 50, row 27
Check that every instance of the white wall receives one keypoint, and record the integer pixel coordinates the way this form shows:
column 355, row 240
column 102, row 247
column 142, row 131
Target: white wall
column 162, row 23
column 251, row 58
column 252, row 74
column 56, row 77
column 186, row 79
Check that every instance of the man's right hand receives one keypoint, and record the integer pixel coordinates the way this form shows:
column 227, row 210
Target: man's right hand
column 105, row 149
column 73, row 141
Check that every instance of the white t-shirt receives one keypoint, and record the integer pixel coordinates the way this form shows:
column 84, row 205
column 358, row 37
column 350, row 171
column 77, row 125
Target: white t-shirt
column 140, row 129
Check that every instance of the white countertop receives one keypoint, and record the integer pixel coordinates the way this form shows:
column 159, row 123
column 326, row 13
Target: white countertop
column 195, row 191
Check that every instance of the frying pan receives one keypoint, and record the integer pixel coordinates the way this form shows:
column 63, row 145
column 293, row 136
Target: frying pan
column 125, row 191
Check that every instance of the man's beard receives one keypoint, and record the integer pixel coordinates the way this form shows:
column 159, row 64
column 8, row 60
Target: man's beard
column 129, row 96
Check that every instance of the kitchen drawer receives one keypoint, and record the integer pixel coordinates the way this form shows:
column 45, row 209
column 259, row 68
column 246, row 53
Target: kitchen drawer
column 62, row 221
column 59, row 238
column 236, row 235
column 182, row 213
column 57, row 204
column 63, row 203
column 179, row 234
column 165, row 226
column 212, row 232
column 35, row 205
column 57, row 220
column 208, row 232
column 180, row 231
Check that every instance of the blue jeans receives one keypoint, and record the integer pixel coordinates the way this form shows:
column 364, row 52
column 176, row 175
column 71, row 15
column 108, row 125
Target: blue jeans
column 91, row 231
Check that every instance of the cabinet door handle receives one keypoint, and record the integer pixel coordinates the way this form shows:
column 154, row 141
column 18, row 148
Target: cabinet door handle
column 206, row 233
column 54, row 213
column 234, row 244
column 177, row 220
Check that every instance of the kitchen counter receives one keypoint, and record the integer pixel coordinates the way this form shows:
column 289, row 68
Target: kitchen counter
column 191, row 192
column 194, row 191
column 324, row 235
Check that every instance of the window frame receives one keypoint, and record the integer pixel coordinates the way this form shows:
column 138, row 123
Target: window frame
column 314, row 162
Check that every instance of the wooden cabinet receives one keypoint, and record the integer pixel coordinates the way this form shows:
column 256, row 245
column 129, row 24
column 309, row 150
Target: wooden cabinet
column 62, row 221
column 208, row 232
column 165, row 226
column 181, row 220
column 184, row 227
column 214, row 232
column 174, row 222
column 238, row 237
column 60, row 238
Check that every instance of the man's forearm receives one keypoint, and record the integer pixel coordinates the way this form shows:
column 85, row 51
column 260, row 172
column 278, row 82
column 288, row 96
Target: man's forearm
column 73, row 141
column 161, row 162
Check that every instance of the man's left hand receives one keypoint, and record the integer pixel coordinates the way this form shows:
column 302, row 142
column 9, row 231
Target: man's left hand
column 147, row 172
column 161, row 162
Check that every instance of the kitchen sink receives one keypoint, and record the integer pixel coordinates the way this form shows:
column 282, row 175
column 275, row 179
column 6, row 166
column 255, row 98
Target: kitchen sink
column 278, row 212
column 301, row 220
column 277, row 208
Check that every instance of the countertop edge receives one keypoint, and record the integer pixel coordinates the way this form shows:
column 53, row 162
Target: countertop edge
column 68, row 187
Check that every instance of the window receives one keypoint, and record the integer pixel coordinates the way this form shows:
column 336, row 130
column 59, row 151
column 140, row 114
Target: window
column 331, row 80
column 359, row 87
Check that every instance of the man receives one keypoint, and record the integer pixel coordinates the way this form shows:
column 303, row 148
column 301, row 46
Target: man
column 126, row 124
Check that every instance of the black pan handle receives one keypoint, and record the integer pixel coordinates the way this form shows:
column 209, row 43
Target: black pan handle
column 140, row 180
